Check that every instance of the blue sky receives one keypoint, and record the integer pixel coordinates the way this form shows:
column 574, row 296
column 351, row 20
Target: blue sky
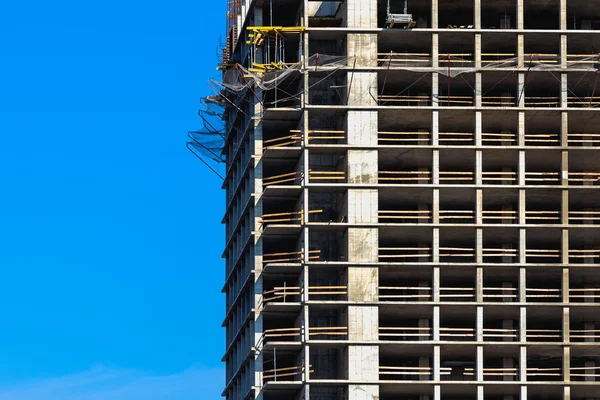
column 110, row 235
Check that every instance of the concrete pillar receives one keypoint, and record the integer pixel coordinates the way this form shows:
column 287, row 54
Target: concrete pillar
column 362, row 14
column 435, row 167
column 565, row 207
column 436, row 246
column 478, row 167
column 522, row 246
column 258, row 241
column 522, row 168
column 508, row 324
column 566, row 365
column 479, row 369
column 590, row 372
column 436, row 323
column 479, row 325
column 363, row 243
column 437, row 363
column 478, row 128
column 434, row 14
column 477, row 14
column 567, row 393
column 521, row 129
column 520, row 23
column 564, row 129
column 436, row 206
column 566, row 325
column 565, row 246
column 523, row 364
column 565, row 286
column 563, row 14
column 478, row 89
column 479, row 284
column 508, row 363
column 479, row 207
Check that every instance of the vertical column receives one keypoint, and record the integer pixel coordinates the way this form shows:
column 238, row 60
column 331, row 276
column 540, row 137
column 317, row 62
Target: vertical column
column 435, row 90
column 304, row 52
column 477, row 14
column 435, row 284
column 258, row 212
column 523, row 331
column 563, row 15
column 258, row 241
column 520, row 15
column 363, row 243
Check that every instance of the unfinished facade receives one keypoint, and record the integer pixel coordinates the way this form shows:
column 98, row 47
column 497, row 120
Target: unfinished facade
column 413, row 199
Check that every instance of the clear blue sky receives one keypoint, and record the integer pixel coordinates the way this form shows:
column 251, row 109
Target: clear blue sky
column 110, row 235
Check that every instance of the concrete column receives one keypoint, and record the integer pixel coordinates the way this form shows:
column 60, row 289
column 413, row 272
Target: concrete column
column 362, row 88
column 522, row 168
column 436, row 207
column 436, row 323
column 564, row 179
column 520, row 25
column 523, row 364
column 566, row 325
column 478, row 89
column 437, row 363
column 478, row 167
column 479, row 285
column 508, row 324
column 435, row 115
column 563, row 15
column 565, row 246
column 363, row 243
column 362, row 14
column 479, row 369
column 565, row 207
column 363, row 206
column 435, row 283
column 589, row 373
column 522, row 128
column 479, row 207
column 566, row 365
column 565, row 285
column 258, row 241
column 436, row 246
column 522, row 206
column 478, row 128
column 522, row 246
column 479, row 251
column 567, row 393
column 435, row 167
column 479, row 325
column 477, row 14
column 425, row 363
column 522, row 285
column 437, row 392
column 434, row 14
column 521, row 91
column 563, row 51
column 564, row 91
column 435, row 118
column 564, row 129
column 508, row 363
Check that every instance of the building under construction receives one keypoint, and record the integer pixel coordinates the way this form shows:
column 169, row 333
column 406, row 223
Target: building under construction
column 413, row 199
